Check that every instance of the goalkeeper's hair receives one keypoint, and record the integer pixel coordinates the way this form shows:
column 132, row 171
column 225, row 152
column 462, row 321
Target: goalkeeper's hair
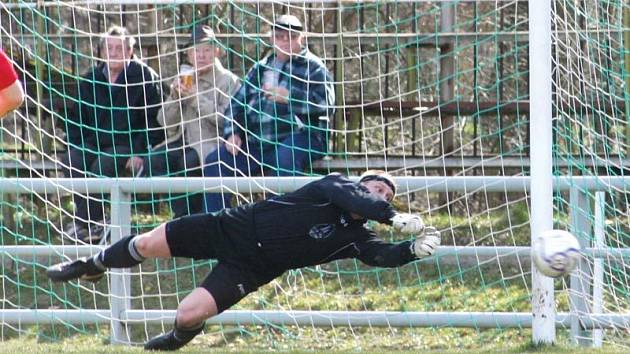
column 379, row 175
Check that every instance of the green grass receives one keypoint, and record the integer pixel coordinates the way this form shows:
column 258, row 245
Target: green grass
column 94, row 344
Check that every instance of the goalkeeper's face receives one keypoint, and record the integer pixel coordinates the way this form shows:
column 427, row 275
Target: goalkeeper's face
column 379, row 189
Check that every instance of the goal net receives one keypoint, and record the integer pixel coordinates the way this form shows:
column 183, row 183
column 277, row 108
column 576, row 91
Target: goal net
column 434, row 92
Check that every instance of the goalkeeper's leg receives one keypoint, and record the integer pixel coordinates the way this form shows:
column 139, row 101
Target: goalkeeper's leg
column 192, row 312
column 125, row 253
column 225, row 286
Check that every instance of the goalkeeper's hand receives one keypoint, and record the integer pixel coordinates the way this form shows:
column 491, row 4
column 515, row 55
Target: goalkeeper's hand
column 407, row 223
column 426, row 244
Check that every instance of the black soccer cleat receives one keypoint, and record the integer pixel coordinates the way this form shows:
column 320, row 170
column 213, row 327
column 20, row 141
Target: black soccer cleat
column 173, row 339
column 166, row 341
column 82, row 268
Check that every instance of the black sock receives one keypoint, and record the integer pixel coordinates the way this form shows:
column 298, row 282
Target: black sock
column 174, row 339
column 122, row 254
column 185, row 335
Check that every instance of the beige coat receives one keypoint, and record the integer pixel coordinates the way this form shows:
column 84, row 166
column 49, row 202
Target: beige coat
column 199, row 118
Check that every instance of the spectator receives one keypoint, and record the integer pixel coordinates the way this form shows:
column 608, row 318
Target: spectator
column 191, row 116
column 113, row 120
column 274, row 118
column 11, row 93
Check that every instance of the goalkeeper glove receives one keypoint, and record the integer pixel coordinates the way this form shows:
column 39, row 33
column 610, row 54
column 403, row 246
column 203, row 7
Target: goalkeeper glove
column 407, row 223
column 426, row 244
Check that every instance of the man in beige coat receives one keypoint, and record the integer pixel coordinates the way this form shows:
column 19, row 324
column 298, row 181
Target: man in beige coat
column 192, row 116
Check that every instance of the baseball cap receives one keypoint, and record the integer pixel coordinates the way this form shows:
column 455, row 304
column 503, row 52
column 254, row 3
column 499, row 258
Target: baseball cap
column 288, row 22
column 201, row 34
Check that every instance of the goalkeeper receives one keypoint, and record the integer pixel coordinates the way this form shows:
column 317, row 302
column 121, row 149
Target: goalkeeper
column 255, row 243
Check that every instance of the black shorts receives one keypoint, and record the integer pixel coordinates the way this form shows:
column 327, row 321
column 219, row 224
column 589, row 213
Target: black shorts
column 196, row 236
column 200, row 237
column 229, row 283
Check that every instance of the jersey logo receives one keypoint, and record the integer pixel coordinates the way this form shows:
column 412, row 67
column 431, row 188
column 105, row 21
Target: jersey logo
column 321, row 231
column 241, row 289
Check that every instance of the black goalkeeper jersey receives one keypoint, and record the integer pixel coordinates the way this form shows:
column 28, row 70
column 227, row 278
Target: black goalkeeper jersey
column 313, row 225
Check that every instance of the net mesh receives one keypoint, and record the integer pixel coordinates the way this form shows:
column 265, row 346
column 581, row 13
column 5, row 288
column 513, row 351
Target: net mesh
column 591, row 128
column 421, row 89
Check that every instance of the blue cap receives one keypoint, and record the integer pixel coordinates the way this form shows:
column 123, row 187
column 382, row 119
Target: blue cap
column 201, row 34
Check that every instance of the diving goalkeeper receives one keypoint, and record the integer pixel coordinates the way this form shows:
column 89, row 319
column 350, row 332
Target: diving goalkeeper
column 255, row 243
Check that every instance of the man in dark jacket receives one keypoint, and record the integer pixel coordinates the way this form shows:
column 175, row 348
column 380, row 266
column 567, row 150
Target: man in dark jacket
column 114, row 119
column 321, row 222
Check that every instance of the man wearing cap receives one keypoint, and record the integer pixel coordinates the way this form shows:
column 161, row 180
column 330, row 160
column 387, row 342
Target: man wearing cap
column 323, row 221
column 277, row 119
column 192, row 116
column 113, row 121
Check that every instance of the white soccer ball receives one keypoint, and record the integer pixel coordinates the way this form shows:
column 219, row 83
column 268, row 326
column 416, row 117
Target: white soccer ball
column 556, row 253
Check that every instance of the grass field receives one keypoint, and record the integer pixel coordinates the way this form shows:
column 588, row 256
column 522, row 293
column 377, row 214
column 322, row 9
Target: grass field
column 93, row 344
column 258, row 339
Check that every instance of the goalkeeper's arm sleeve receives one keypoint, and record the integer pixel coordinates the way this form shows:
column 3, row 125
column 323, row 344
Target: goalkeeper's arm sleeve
column 378, row 253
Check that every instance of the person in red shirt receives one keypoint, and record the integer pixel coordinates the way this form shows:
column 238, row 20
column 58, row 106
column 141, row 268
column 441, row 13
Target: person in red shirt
column 11, row 93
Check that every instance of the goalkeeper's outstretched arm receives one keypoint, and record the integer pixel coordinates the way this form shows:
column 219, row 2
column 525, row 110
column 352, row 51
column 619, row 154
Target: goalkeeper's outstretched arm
column 376, row 252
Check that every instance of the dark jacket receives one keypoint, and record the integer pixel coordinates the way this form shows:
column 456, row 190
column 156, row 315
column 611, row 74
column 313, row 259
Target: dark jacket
column 312, row 95
column 313, row 225
column 122, row 114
